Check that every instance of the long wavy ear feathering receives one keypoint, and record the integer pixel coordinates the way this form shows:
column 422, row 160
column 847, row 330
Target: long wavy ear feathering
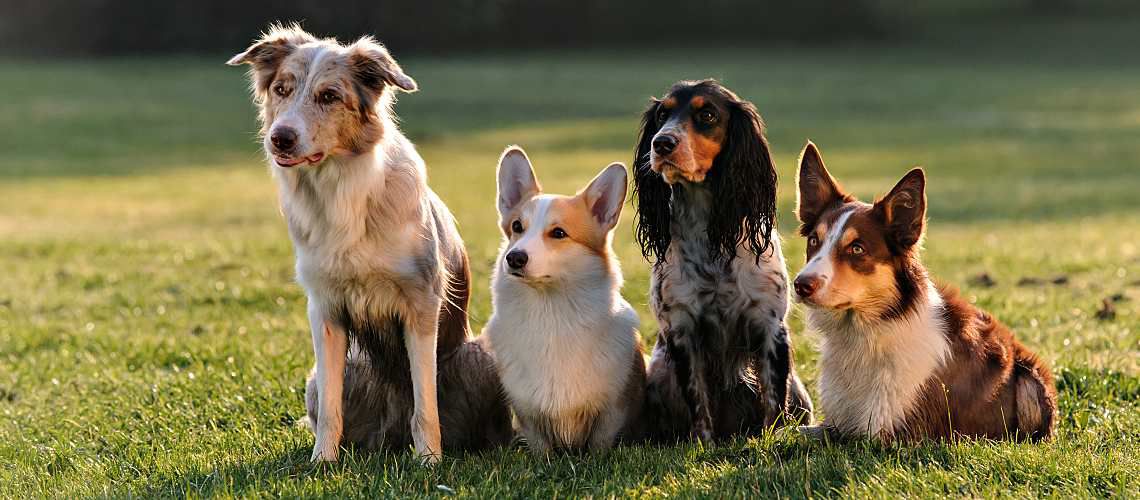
column 651, row 193
column 743, row 178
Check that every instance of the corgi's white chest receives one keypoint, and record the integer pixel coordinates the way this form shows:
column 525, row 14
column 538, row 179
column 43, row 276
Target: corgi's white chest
column 559, row 360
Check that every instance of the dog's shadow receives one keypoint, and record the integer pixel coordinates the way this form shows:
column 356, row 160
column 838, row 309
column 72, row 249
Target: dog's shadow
column 781, row 465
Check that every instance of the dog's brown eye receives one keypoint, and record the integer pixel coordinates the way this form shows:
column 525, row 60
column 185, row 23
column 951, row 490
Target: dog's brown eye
column 662, row 115
column 280, row 90
column 557, row 233
column 516, row 226
column 329, row 97
column 812, row 241
column 856, row 249
column 706, row 116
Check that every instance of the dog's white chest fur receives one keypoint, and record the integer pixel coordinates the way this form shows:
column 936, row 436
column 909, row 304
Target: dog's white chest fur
column 353, row 244
column 562, row 352
column 872, row 374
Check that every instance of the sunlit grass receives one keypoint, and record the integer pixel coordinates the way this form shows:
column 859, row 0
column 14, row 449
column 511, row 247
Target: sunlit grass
column 152, row 340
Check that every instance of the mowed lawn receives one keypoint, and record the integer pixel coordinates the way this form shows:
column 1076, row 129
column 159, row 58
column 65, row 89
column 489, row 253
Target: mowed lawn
column 153, row 342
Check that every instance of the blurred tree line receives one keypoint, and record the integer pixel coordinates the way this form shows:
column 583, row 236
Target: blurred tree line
column 117, row 27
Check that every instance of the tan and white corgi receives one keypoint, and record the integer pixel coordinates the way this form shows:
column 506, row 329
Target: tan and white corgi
column 903, row 358
column 565, row 341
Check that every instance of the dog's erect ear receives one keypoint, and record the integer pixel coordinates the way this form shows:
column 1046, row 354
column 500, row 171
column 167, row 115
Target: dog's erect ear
column 606, row 194
column 266, row 54
column 516, row 180
column 373, row 67
column 816, row 189
column 651, row 192
column 903, row 210
column 743, row 178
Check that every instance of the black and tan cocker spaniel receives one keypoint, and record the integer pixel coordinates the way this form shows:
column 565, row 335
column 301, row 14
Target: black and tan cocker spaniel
column 706, row 200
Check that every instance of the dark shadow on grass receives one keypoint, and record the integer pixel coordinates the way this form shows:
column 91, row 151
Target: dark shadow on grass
column 783, row 464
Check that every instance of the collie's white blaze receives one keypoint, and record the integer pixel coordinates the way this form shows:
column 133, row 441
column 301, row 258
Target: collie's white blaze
column 872, row 371
column 822, row 264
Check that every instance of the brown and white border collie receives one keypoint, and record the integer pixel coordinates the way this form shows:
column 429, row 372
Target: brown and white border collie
column 901, row 357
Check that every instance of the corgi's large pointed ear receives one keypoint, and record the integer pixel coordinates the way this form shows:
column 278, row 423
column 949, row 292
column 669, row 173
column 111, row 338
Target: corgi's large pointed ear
column 266, row 54
column 516, row 180
column 605, row 195
column 903, row 210
column 374, row 67
column 816, row 189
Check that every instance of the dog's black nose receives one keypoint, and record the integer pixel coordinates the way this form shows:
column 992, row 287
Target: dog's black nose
column 516, row 259
column 283, row 138
column 807, row 284
column 664, row 144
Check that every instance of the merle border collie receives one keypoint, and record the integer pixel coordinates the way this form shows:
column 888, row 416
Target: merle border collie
column 378, row 253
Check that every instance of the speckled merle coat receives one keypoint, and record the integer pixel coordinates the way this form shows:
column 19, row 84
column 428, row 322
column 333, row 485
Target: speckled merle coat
column 723, row 361
column 382, row 264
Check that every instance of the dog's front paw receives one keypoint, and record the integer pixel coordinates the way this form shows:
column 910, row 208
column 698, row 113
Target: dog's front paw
column 813, row 432
column 324, row 454
column 430, row 459
column 703, row 434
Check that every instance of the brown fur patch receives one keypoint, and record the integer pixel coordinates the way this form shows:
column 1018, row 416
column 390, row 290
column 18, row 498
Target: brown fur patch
column 992, row 386
column 705, row 151
column 573, row 215
column 697, row 102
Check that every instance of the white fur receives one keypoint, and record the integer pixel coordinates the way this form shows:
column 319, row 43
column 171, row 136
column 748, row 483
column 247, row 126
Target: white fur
column 873, row 370
column 822, row 264
column 564, row 348
column 541, row 263
column 342, row 260
column 563, row 336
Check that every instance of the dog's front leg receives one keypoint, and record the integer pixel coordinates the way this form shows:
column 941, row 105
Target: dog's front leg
column 330, row 344
column 421, row 342
column 776, row 370
column 691, row 380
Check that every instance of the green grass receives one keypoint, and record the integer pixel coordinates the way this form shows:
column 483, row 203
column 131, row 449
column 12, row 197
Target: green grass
column 152, row 341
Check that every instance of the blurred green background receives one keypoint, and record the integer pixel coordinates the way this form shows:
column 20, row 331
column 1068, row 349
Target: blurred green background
column 152, row 341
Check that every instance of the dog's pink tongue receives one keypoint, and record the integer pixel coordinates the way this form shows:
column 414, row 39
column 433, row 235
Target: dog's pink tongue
column 315, row 158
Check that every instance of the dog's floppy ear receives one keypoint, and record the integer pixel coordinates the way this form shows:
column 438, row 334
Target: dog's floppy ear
column 606, row 194
column 651, row 192
column 816, row 189
column 373, row 67
column 903, row 210
column 516, row 180
column 266, row 54
column 743, row 177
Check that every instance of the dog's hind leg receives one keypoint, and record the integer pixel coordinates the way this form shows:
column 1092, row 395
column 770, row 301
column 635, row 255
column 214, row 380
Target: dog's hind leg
column 420, row 340
column 1036, row 404
column 330, row 344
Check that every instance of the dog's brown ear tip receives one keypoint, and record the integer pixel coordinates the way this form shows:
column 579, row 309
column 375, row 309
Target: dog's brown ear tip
column 916, row 175
column 236, row 60
column 810, row 155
